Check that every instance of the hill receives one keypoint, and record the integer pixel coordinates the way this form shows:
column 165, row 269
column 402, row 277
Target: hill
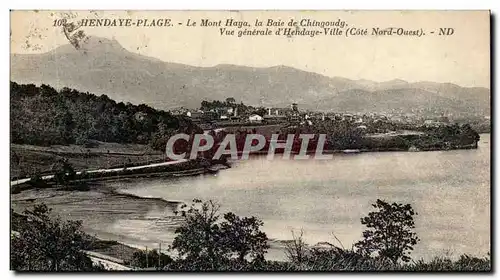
column 103, row 66
column 44, row 116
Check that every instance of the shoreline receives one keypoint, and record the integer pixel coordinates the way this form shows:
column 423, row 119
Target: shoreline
column 179, row 168
column 125, row 246
column 111, row 196
column 155, row 169
column 60, row 197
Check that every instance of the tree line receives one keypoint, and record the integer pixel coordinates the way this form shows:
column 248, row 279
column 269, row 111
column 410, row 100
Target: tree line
column 42, row 115
column 243, row 109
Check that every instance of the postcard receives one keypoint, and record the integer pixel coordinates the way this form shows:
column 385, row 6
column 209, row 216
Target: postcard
column 250, row 141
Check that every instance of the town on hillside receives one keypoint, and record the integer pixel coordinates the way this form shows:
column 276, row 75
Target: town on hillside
column 229, row 113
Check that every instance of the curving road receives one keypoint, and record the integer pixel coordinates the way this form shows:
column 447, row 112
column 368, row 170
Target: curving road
column 47, row 177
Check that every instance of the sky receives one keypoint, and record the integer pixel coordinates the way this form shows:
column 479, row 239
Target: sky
column 462, row 58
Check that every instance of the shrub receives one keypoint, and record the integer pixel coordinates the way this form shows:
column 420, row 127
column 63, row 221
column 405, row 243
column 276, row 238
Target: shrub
column 63, row 172
column 145, row 259
column 296, row 249
column 37, row 182
column 464, row 263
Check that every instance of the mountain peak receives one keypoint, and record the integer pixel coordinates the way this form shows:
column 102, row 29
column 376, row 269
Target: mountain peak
column 397, row 81
column 93, row 41
column 92, row 44
column 101, row 44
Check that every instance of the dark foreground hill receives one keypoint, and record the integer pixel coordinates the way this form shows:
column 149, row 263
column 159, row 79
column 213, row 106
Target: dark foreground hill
column 45, row 116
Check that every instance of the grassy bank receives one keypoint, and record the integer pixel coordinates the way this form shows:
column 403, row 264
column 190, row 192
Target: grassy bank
column 28, row 160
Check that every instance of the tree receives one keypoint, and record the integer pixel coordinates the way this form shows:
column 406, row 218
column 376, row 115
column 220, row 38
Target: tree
column 260, row 111
column 206, row 242
column 42, row 243
column 390, row 231
column 230, row 100
column 198, row 239
column 243, row 237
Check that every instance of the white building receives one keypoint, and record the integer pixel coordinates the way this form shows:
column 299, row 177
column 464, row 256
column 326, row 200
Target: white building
column 255, row 118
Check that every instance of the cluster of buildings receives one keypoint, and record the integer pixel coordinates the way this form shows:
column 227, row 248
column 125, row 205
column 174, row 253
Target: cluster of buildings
column 225, row 115
column 229, row 114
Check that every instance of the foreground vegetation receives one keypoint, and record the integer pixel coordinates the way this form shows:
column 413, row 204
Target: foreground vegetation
column 40, row 242
column 209, row 241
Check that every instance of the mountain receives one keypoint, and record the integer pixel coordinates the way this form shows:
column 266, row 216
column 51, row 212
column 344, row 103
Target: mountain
column 103, row 66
